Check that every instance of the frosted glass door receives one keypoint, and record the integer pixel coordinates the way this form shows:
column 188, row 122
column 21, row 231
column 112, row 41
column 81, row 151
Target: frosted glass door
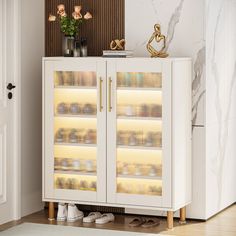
column 139, row 133
column 136, row 108
column 75, row 130
column 78, row 120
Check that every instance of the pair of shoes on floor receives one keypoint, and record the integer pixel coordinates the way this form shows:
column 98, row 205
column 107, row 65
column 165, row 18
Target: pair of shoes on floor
column 144, row 222
column 98, row 218
column 71, row 214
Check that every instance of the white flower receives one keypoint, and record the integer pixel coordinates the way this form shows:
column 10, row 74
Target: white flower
column 63, row 14
column 61, row 10
column 88, row 16
column 76, row 16
column 51, row 18
column 61, row 7
column 78, row 9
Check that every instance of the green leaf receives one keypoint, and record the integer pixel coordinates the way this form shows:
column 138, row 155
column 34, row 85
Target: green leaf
column 70, row 26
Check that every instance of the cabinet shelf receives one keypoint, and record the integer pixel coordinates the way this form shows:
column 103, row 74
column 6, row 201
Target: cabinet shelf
column 139, row 177
column 138, row 118
column 76, row 116
column 138, row 89
column 82, row 173
column 75, row 144
column 75, row 87
column 139, row 147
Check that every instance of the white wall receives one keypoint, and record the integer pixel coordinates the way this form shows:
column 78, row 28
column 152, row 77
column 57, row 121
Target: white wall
column 214, row 92
column 32, row 51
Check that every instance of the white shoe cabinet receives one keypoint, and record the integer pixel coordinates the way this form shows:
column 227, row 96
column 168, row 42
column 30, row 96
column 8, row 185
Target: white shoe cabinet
column 117, row 132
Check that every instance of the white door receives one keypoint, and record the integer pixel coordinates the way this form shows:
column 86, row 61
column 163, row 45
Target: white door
column 75, row 130
column 139, row 132
column 6, row 127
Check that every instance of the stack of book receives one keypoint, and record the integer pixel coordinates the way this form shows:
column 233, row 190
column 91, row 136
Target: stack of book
column 114, row 53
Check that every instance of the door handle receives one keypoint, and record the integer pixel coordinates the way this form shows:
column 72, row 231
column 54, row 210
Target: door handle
column 10, row 86
column 100, row 92
column 109, row 94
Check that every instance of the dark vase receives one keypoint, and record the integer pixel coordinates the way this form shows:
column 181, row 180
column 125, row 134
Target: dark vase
column 68, row 46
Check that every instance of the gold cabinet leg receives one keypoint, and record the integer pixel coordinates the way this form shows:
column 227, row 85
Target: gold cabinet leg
column 170, row 219
column 51, row 211
column 182, row 215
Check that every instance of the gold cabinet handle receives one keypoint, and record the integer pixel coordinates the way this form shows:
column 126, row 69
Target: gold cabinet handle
column 109, row 99
column 100, row 92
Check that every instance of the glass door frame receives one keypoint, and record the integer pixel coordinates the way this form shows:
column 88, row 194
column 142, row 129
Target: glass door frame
column 85, row 65
column 139, row 65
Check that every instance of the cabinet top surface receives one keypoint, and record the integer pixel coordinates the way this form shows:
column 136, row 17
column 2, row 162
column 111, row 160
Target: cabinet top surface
column 116, row 59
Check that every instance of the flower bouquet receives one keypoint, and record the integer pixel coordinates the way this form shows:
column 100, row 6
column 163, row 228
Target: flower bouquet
column 69, row 26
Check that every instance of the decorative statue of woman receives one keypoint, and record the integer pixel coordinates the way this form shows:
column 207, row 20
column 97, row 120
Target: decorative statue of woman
column 159, row 38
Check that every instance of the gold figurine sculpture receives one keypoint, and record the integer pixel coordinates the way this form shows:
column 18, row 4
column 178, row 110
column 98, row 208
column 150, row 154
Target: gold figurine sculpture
column 117, row 44
column 159, row 38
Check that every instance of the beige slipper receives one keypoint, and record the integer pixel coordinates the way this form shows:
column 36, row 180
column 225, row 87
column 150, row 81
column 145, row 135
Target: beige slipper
column 92, row 217
column 151, row 222
column 105, row 218
column 137, row 222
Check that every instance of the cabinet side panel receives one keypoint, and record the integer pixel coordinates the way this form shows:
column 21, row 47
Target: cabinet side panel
column 181, row 132
column 167, row 173
column 196, row 209
column 43, row 128
column 48, row 130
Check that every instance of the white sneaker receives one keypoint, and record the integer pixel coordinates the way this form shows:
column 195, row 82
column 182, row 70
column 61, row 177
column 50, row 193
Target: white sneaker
column 62, row 212
column 74, row 214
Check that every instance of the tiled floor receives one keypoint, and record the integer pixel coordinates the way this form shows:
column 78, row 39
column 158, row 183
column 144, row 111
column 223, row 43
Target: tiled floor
column 223, row 224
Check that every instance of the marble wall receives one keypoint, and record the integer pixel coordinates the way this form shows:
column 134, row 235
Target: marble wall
column 220, row 104
column 183, row 23
column 203, row 30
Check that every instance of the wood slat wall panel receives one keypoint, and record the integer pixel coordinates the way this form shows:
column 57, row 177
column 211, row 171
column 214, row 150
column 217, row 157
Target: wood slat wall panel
column 107, row 24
